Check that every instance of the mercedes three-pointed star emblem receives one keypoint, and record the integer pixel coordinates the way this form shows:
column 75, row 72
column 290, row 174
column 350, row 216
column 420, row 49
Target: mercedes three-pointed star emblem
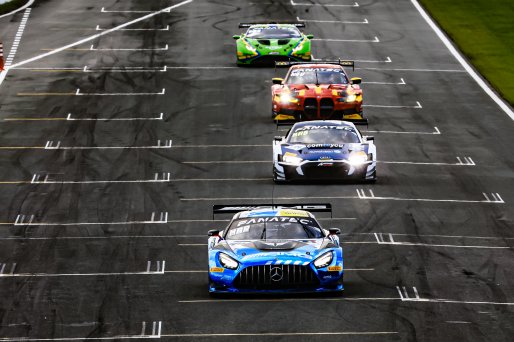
column 276, row 274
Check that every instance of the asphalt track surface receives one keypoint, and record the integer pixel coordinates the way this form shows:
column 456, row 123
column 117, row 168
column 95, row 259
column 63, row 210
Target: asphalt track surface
column 103, row 223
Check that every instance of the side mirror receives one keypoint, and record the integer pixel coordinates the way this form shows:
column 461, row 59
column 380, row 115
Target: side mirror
column 309, row 36
column 213, row 232
column 369, row 138
column 356, row 80
column 277, row 80
column 334, row 231
column 236, row 37
column 278, row 138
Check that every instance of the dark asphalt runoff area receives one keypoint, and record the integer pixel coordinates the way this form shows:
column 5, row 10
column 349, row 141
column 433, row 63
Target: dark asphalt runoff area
column 113, row 151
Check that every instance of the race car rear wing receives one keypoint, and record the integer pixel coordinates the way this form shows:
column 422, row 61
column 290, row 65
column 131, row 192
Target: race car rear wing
column 236, row 208
column 338, row 62
column 295, row 23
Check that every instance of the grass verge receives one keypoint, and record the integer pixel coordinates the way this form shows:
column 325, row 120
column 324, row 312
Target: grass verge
column 11, row 6
column 484, row 31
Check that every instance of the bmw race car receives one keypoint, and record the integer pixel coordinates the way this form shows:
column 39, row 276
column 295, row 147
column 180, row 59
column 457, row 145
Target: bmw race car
column 274, row 248
column 266, row 43
column 314, row 91
column 324, row 150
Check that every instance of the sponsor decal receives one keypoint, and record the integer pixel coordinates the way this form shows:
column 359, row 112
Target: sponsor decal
column 335, row 268
column 217, row 270
column 290, row 212
column 325, row 145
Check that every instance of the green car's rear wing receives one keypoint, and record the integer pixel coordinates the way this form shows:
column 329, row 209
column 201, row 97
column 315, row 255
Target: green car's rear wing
column 295, row 23
column 338, row 62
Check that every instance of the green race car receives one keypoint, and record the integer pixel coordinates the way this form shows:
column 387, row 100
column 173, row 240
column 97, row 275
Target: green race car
column 267, row 43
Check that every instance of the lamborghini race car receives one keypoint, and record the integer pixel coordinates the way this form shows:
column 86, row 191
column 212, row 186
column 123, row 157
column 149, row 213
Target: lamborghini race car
column 266, row 43
column 324, row 150
column 274, row 248
column 314, row 91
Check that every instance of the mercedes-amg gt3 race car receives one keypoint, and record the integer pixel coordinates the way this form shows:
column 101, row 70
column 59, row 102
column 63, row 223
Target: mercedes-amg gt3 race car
column 274, row 248
column 266, row 43
column 314, row 91
column 324, row 150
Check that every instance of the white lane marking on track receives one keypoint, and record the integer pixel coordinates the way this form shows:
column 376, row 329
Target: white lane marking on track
column 156, row 333
column 92, row 48
column 167, row 28
column 417, row 106
column 17, row 38
column 414, row 70
column 56, row 145
column 78, row 93
column 21, row 221
column 402, row 82
column 28, row 4
column 124, row 69
column 160, row 117
column 375, row 40
column 436, row 132
column 45, row 178
column 365, row 21
column 360, row 195
column 492, row 94
column 355, row 4
column 103, row 10
column 90, row 38
column 468, row 162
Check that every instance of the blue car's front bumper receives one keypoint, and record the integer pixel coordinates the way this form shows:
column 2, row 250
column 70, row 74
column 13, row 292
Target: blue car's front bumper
column 275, row 277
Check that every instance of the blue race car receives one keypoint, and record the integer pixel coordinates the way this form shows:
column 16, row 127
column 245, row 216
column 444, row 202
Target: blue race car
column 274, row 248
column 324, row 150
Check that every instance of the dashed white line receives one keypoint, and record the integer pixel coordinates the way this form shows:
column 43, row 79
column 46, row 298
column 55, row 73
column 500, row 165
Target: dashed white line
column 365, row 21
column 355, row 4
column 417, row 106
column 79, row 93
column 375, row 40
column 165, row 48
column 167, row 28
column 402, row 82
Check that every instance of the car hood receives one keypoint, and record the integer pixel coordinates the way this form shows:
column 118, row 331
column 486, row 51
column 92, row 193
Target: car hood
column 258, row 250
column 324, row 151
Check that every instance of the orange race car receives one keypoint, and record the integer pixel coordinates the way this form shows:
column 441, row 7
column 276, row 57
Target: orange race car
column 317, row 90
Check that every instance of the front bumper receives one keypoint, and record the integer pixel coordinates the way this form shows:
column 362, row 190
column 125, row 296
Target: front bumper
column 294, row 279
column 348, row 111
column 324, row 170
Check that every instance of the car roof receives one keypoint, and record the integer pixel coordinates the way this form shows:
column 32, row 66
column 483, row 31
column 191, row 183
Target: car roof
column 272, row 212
column 324, row 123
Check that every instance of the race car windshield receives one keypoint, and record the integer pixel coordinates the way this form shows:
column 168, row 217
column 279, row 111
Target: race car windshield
column 324, row 135
column 274, row 228
column 317, row 76
column 272, row 33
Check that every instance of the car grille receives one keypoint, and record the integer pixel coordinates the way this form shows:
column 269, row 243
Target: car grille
column 326, row 107
column 336, row 171
column 264, row 277
column 310, row 106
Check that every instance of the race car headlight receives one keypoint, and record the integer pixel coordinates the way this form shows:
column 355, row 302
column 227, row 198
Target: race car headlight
column 351, row 98
column 287, row 98
column 227, row 261
column 292, row 159
column 357, row 158
column 324, row 260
